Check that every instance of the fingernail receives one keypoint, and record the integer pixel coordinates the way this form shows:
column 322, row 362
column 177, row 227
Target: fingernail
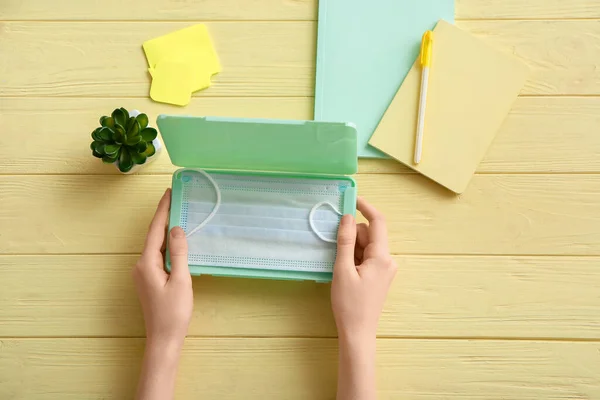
column 347, row 219
column 177, row 232
column 168, row 191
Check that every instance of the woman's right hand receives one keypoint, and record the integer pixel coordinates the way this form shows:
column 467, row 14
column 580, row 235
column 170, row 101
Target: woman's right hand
column 363, row 273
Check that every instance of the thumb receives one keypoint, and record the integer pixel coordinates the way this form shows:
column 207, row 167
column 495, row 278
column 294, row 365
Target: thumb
column 346, row 241
column 178, row 249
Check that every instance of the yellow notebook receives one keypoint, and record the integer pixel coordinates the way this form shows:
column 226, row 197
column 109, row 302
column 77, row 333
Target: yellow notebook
column 472, row 87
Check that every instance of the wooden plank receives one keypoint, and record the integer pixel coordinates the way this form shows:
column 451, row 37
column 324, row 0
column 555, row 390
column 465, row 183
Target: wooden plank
column 540, row 135
column 498, row 214
column 79, row 369
column 433, row 296
column 104, row 59
column 530, row 9
column 547, row 134
column 563, row 55
column 56, row 150
column 158, row 10
column 69, row 153
column 214, row 10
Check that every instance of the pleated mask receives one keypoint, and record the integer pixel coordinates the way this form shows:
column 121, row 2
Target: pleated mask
column 261, row 221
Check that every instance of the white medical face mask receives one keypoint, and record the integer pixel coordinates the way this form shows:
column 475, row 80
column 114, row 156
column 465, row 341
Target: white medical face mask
column 265, row 222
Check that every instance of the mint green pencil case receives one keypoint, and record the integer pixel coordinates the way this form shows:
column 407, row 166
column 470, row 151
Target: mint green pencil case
column 260, row 198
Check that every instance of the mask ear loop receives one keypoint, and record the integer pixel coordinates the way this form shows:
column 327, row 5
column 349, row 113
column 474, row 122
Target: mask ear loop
column 215, row 208
column 311, row 221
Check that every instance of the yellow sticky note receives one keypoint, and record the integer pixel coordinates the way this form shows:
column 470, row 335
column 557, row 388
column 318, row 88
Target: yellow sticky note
column 192, row 46
column 171, row 83
column 472, row 87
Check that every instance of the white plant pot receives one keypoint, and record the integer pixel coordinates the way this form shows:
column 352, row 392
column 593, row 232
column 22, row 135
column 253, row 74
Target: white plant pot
column 157, row 146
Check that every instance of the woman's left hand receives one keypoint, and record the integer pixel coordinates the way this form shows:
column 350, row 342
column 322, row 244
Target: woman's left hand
column 167, row 300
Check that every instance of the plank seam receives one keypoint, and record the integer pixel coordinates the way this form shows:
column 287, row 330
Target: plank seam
column 499, row 174
column 407, row 338
column 449, row 255
column 150, row 21
column 529, row 96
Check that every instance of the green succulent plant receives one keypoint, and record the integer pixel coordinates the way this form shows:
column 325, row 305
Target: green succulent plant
column 125, row 139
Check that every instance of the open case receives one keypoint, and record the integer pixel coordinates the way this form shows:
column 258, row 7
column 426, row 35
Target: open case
column 271, row 202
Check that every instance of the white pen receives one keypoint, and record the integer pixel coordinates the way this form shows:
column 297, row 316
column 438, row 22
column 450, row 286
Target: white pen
column 425, row 58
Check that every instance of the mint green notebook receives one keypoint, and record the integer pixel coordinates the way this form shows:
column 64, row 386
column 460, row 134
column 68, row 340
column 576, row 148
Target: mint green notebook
column 279, row 186
column 365, row 49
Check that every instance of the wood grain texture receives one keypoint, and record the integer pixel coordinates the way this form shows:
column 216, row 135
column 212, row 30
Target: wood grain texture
column 515, row 257
column 432, row 296
column 259, row 58
column 73, row 59
column 547, row 134
column 68, row 152
column 304, row 369
column 540, row 135
column 563, row 55
column 195, row 10
column 160, row 10
column 520, row 9
column 498, row 214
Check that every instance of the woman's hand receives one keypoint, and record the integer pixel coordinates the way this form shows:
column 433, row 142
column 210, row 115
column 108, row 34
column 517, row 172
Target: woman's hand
column 167, row 300
column 362, row 274
column 167, row 303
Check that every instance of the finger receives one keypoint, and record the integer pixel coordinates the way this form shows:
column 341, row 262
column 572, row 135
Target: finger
column 359, row 255
column 346, row 241
column 149, row 271
column 163, row 247
column 362, row 240
column 178, row 250
column 362, row 235
column 156, row 231
column 377, row 226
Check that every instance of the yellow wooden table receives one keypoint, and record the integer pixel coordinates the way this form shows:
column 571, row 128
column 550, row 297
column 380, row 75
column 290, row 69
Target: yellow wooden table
column 498, row 291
